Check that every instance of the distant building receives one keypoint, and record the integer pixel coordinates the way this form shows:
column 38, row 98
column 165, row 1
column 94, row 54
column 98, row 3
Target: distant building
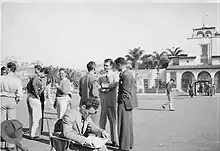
column 203, row 64
column 201, row 68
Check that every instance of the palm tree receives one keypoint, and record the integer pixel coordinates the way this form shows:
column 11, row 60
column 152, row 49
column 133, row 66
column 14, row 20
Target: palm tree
column 157, row 61
column 134, row 56
column 175, row 52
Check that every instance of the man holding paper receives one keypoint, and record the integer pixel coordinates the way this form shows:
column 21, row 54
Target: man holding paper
column 77, row 124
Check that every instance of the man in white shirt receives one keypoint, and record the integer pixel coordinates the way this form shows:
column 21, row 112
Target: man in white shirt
column 108, row 95
column 10, row 95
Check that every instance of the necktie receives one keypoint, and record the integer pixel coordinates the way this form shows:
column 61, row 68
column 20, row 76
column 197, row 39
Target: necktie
column 83, row 121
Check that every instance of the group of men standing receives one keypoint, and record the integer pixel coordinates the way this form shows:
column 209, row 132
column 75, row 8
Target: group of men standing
column 111, row 96
column 115, row 92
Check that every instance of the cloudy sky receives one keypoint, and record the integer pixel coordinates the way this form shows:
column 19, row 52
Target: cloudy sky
column 70, row 34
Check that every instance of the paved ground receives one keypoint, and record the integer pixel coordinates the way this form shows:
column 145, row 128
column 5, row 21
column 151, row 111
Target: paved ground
column 193, row 126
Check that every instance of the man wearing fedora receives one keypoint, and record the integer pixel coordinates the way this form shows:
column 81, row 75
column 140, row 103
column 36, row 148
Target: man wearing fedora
column 11, row 132
column 10, row 94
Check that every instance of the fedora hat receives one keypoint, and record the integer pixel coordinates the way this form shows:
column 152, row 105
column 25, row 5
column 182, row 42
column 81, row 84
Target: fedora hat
column 11, row 131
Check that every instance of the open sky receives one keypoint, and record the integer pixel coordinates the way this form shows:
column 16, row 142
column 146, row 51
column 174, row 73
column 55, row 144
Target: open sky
column 70, row 34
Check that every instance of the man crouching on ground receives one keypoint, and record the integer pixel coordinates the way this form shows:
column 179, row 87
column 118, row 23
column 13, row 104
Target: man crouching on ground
column 77, row 123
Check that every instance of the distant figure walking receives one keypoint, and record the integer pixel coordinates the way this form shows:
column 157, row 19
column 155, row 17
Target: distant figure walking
column 168, row 91
column 190, row 90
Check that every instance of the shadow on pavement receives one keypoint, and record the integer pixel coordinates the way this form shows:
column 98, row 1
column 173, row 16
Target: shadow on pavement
column 41, row 140
column 150, row 109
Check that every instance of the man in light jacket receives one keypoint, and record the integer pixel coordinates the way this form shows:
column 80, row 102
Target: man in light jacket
column 108, row 95
column 77, row 122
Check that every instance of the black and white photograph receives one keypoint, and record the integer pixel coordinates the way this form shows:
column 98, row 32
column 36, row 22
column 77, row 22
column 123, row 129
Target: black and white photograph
column 110, row 75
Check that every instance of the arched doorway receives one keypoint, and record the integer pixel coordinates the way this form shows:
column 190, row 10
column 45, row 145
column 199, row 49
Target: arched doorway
column 204, row 76
column 217, row 81
column 187, row 78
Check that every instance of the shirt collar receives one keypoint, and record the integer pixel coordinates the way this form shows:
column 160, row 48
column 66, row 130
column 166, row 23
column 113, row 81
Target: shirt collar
column 122, row 71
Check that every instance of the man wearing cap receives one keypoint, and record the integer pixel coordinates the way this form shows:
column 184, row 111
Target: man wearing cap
column 10, row 94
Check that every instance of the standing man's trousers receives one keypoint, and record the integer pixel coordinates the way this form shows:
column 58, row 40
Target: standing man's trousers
column 63, row 104
column 110, row 113
column 35, row 116
column 125, row 128
column 169, row 102
column 8, row 112
column 96, row 117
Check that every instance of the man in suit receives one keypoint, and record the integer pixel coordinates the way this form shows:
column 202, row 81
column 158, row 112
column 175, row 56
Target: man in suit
column 89, row 88
column 108, row 95
column 77, row 122
column 127, row 99
column 168, row 91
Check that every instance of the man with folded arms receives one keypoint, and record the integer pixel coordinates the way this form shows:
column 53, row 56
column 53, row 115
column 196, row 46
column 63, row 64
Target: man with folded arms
column 77, row 123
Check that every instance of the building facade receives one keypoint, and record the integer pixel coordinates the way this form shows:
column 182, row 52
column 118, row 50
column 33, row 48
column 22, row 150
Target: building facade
column 203, row 66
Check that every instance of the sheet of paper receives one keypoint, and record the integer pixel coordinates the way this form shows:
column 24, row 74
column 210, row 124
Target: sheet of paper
column 97, row 142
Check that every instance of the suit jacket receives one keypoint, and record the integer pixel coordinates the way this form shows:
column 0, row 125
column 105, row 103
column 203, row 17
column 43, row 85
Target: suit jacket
column 127, row 90
column 73, row 126
column 109, row 98
column 88, row 87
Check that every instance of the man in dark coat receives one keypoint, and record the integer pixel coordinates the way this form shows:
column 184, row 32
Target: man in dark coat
column 89, row 88
column 127, row 101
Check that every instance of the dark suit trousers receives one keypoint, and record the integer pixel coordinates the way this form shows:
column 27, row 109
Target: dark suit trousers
column 125, row 128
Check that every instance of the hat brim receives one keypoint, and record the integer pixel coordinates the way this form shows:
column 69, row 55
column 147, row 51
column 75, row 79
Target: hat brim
column 6, row 137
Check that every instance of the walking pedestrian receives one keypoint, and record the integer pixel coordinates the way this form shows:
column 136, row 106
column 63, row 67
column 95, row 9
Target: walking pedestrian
column 168, row 91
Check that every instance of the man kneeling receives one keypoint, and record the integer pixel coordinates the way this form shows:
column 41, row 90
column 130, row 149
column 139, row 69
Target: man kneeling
column 77, row 123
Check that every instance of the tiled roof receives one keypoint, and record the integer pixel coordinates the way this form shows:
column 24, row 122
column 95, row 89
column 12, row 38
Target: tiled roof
column 193, row 67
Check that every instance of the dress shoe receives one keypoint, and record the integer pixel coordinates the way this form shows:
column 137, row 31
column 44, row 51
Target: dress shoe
column 36, row 138
column 10, row 148
column 172, row 110
column 114, row 144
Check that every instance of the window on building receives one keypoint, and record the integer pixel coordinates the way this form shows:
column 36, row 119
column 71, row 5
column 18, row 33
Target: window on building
column 204, row 55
